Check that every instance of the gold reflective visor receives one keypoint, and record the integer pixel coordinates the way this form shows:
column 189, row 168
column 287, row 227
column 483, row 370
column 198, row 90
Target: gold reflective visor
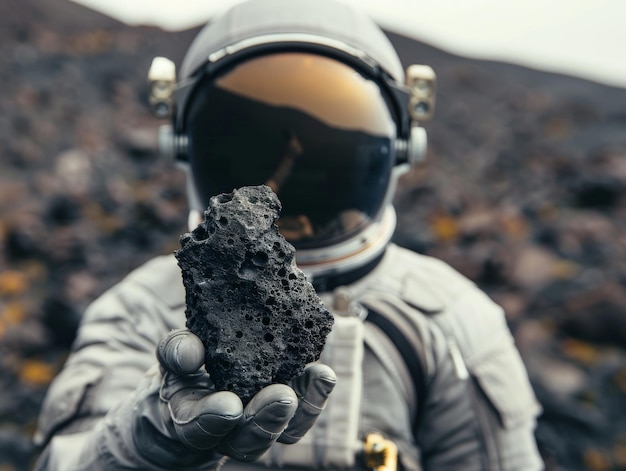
column 330, row 91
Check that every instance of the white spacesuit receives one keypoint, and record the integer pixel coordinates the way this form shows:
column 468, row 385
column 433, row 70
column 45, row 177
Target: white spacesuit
column 420, row 370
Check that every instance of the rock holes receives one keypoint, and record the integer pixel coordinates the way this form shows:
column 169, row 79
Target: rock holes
column 260, row 259
column 199, row 234
column 248, row 269
column 207, row 272
column 253, row 263
column 224, row 198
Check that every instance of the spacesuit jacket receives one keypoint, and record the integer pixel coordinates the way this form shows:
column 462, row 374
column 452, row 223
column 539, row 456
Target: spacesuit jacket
column 478, row 415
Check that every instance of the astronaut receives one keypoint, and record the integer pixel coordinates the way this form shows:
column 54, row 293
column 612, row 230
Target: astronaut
column 420, row 371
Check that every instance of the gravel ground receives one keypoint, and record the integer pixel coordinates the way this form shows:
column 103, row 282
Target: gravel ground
column 523, row 191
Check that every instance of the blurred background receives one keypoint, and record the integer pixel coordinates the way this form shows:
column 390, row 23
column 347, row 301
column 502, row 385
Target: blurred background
column 523, row 189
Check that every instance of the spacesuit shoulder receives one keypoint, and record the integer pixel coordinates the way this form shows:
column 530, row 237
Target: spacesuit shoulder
column 428, row 283
column 161, row 277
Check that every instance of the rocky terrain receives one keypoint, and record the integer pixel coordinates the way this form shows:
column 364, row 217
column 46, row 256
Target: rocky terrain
column 523, row 191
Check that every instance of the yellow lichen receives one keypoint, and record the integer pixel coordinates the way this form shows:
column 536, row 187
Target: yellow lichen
column 445, row 227
column 596, row 460
column 12, row 283
column 12, row 314
column 36, row 373
column 581, row 351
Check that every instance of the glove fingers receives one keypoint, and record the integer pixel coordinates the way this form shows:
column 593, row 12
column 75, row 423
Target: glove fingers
column 313, row 388
column 201, row 420
column 201, row 416
column 265, row 417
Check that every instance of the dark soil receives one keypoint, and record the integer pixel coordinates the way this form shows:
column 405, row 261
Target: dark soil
column 523, row 190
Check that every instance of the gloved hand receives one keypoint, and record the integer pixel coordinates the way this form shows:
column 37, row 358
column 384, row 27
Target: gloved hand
column 178, row 421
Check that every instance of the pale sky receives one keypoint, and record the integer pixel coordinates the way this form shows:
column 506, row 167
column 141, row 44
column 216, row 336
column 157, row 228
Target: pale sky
column 584, row 38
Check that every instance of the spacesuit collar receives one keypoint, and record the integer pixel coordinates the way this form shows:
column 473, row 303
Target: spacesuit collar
column 329, row 282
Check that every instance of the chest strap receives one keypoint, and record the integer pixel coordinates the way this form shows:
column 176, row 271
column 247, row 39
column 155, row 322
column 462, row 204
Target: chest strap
column 406, row 341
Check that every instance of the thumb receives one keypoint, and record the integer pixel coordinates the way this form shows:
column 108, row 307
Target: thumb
column 200, row 415
column 181, row 352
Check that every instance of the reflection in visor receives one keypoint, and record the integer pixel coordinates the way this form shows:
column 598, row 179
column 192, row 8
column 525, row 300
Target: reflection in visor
column 320, row 87
column 315, row 131
column 294, row 150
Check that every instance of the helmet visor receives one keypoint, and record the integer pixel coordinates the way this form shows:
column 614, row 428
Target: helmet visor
column 313, row 129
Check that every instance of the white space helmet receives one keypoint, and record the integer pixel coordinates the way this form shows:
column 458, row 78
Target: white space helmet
column 310, row 98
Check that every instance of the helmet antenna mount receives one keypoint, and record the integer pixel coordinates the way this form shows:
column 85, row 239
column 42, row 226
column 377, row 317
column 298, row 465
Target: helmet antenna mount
column 161, row 79
column 422, row 82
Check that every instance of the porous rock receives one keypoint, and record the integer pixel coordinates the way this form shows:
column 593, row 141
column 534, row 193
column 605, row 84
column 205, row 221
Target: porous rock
column 259, row 318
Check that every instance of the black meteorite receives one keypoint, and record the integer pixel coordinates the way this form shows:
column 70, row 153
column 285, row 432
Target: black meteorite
column 257, row 315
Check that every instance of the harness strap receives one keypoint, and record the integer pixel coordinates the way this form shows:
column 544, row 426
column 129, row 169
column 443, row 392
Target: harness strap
column 406, row 340
column 381, row 346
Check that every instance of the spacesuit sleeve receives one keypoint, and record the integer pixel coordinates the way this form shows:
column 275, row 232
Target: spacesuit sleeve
column 114, row 347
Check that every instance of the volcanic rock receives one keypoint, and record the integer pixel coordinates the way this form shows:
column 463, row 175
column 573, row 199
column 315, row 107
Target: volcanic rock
column 259, row 318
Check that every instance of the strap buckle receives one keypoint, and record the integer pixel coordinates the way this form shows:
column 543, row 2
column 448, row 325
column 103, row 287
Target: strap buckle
column 380, row 454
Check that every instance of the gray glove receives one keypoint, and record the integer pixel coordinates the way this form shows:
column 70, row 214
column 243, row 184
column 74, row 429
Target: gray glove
column 177, row 420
